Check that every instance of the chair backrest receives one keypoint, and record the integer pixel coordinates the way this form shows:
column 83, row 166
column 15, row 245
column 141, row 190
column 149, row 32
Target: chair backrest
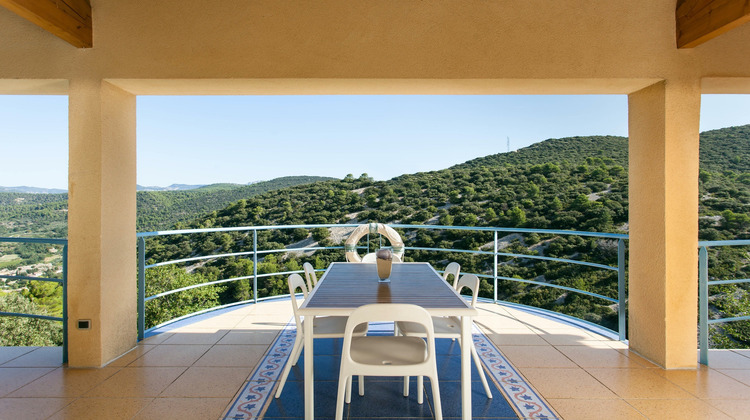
column 312, row 279
column 472, row 282
column 390, row 312
column 296, row 282
column 454, row 269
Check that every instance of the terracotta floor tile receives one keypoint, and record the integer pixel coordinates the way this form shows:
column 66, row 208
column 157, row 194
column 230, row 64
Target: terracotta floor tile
column 638, row 383
column 137, row 382
column 184, row 408
column 133, row 354
column 10, row 353
column 172, row 355
column 254, row 323
column 255, row 337
column 39, row 357
column 566, row 383
column 196, row 337
column 568, row 336
column 102, row 408
column 156, row 339
column 597, row 357
column 708, row 383
column 677, row 409
column 537, row 356
column 230, row 355
column 639, row 359
column 727, row 359
column 510, row 338
column 590, row 409
column 212, row 382
column 737, row 374
column 12, row 379
column 30, row 408
column 65, row 382
column 737, row 409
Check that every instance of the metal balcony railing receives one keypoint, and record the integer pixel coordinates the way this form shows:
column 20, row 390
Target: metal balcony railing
column 257, row 252
column 62, row 281
column 703, row 294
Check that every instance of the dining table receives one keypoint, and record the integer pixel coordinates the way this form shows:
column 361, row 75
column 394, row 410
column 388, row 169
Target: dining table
column 346, row 286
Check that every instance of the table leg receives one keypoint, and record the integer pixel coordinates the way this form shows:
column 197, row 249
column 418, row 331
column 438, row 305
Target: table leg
column 466, row 339
column 309, row 379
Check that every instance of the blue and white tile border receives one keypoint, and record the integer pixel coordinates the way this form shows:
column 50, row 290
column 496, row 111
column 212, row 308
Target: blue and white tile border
column 259, row 388
column 254, row 397
column 519, row 394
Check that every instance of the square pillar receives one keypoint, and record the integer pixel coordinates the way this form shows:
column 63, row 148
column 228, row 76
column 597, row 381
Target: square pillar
column 101, row 222
column 663, row 128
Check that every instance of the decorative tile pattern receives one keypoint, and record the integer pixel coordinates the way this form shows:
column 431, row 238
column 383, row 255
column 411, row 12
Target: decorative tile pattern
column 256, row 392
column 521, row 396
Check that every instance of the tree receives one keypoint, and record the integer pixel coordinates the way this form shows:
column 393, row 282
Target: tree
column 22, row 331
column 170, row 277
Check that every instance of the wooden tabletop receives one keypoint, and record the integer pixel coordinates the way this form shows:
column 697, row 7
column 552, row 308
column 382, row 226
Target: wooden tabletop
column 351, row 285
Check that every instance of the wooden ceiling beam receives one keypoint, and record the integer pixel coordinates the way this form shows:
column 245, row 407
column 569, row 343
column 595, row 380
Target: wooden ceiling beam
column 67, row 19
column 701, row 20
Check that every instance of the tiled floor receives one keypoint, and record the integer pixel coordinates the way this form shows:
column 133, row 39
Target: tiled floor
column 195, row 372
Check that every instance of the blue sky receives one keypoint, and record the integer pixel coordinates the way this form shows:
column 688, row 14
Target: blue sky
column 204, row 139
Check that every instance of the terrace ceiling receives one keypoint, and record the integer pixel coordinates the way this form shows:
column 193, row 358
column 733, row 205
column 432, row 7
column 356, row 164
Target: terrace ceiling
column 697, row 21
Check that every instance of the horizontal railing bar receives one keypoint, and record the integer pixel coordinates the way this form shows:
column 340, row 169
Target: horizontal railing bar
column 239, row 228
column 736, row 242
column 46, row 317
column 31, row 278
column 557, row 286
column 211, row 283
column 53, row 241
column 518, row 230
column 735, row 281
column 234, row 254
column 505, row 254
column 723, row 320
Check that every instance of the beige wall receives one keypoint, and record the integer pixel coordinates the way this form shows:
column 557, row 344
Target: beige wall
column 476, row 39
column 373, row 47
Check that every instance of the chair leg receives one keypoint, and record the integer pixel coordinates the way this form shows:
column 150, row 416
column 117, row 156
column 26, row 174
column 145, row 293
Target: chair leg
column 296, row 350
column 343, row 379
column 477, row 362
column 436, row 397
column 361, row 386
column 349, row 389
column 406, row 386
column 420, row 389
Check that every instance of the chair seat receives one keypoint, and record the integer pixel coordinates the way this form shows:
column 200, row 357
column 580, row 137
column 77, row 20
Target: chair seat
column 388, row 350
column 444, row 326
column 333, row 327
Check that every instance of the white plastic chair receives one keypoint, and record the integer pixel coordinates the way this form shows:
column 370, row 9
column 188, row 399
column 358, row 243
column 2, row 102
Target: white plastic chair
column 324, row 327
column 454, row 269
column 310, row 276
column 388, row 355
column 449, row 327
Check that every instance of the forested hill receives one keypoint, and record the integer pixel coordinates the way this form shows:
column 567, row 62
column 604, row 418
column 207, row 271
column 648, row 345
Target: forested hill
column 570, row 183
column 573, row 150
column 45, row 215
column 159, row 210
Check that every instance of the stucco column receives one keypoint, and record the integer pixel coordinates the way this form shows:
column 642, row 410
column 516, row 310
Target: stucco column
column 101, row 222
column 663, row 271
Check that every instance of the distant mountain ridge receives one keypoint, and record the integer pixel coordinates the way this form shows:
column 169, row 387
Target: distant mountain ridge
column 32, row 190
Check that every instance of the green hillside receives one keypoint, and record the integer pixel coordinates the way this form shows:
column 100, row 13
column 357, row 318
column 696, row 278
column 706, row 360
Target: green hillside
column 45, row 215
column 577, row 183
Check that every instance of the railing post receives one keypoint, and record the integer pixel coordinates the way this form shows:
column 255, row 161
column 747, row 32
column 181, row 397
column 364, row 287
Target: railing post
column 621, row 298
column 141, row 287
column 703, row 304
column 255, row 265
column 494, row 271
column 65, row 303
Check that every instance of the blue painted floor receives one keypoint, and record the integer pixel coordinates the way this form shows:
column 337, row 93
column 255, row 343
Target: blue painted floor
column 383, row 397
